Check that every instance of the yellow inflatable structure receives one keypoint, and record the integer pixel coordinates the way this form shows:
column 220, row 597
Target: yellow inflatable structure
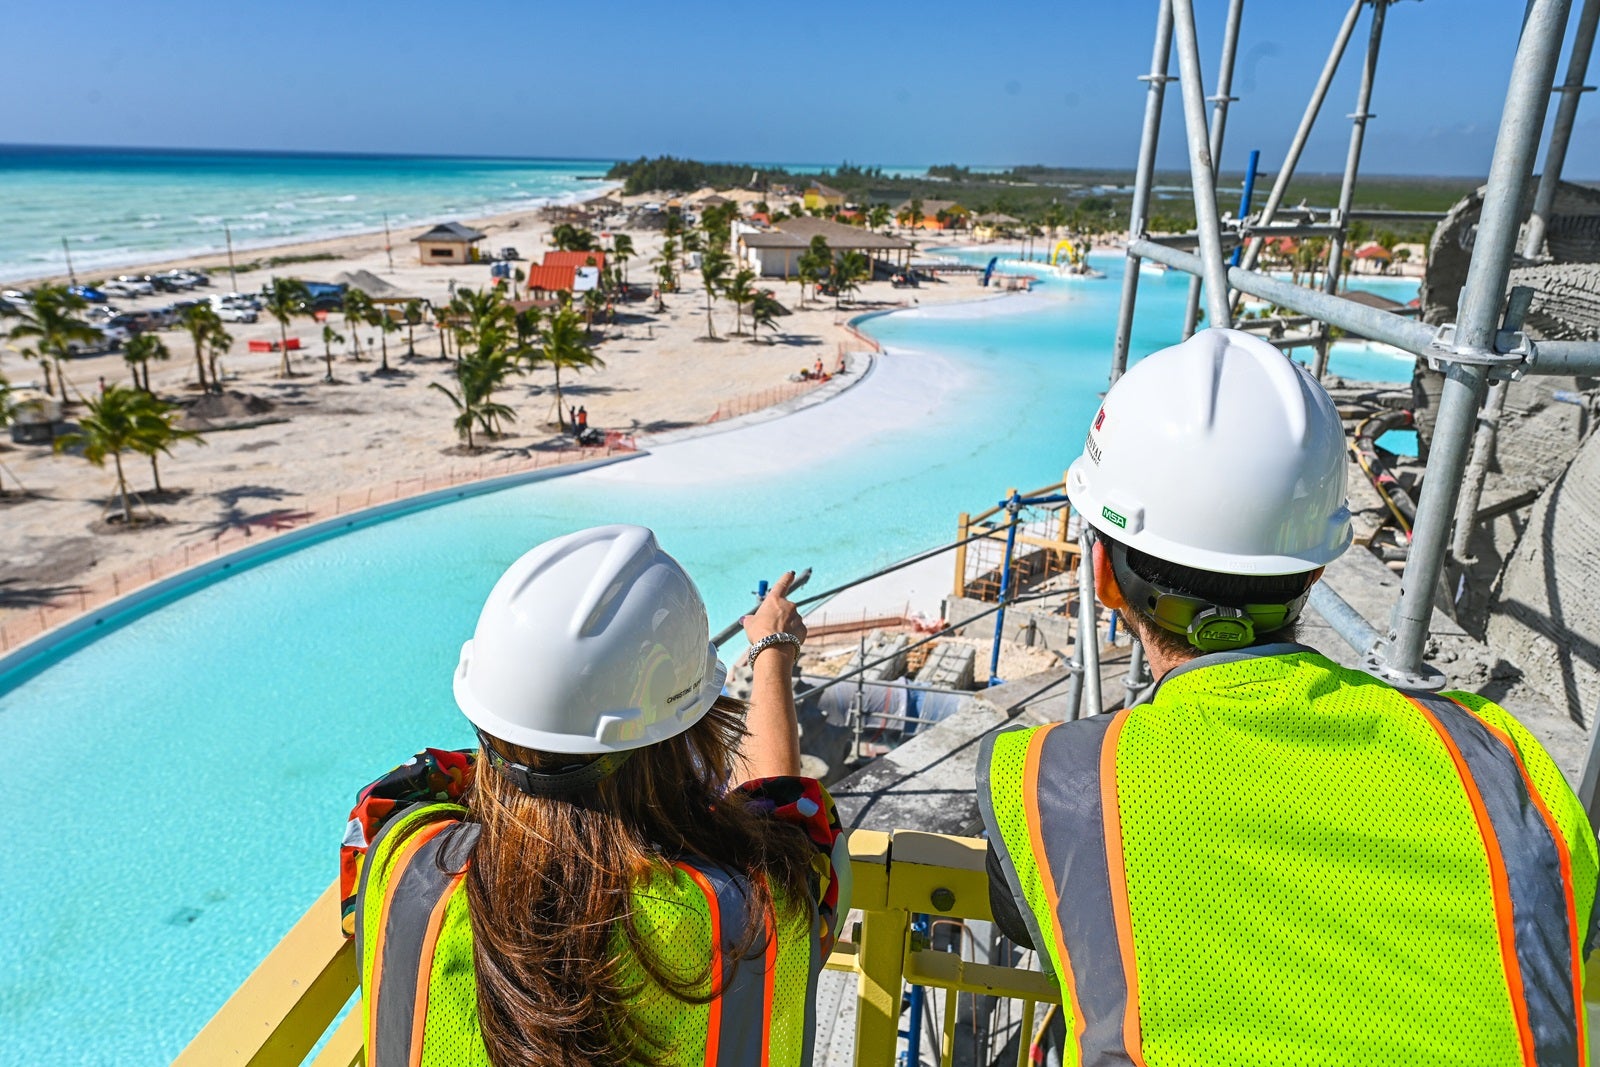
column 1074, row 256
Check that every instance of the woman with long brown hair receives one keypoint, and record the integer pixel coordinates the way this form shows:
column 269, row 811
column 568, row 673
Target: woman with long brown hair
column 630, row 869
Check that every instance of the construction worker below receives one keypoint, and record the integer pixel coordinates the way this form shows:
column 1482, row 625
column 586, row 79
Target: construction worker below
column 1276, row 860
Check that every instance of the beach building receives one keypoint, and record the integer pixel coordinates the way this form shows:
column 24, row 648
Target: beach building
column 935, row 214
column 776, row 252
column 819, row 196
column 594, row 258
column 992, row 225
column 1371, row 258
column 548, row 281
column 448, row 242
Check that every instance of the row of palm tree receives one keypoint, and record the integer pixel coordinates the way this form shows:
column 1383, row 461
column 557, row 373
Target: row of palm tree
column 51, row 328
column 122, row 420
column 493, row 342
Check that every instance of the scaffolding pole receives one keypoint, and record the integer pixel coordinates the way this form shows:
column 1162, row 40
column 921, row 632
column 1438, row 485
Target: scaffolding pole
column 1214, row 269
column 1483, row 442
column 1219, row 126
column 1352, row 165
column 1280, row 184
column 1474, row 337
column 1561, row 132
column 1143, row 179
column 1565, row 358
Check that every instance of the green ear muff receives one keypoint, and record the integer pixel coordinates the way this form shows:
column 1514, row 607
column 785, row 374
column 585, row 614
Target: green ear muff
column 1217, row 629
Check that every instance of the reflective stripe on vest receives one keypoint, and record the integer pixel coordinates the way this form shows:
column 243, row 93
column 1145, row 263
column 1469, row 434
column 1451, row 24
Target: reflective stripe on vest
column 416, row 895
column 1076, row 860
column 405, row 901
column 1531, row 872
column 738, row 1034
column 1083, row 882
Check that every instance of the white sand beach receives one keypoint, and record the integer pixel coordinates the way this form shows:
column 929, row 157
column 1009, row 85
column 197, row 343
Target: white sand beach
column 315, row 446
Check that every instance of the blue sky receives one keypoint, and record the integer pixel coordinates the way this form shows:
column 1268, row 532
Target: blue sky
column 1051, row 82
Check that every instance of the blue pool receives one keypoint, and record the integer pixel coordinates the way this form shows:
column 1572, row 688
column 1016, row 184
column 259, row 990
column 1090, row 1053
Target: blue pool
column 194, row 766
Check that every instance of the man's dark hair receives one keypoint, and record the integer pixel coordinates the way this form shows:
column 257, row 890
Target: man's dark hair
column 1226, row 590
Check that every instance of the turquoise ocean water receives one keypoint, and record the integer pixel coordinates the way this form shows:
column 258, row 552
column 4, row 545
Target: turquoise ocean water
column 123, row 206
column 189, row 772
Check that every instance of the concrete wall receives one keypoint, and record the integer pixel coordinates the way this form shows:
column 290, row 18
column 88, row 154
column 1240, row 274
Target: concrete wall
column 1545, row 617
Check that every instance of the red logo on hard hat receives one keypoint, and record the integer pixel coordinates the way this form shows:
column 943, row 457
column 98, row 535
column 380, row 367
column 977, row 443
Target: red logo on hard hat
column 1100, row 419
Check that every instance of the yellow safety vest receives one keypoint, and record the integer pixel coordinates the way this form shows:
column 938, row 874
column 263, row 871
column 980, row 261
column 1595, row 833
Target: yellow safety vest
column 418, row 984
column 1283, row 862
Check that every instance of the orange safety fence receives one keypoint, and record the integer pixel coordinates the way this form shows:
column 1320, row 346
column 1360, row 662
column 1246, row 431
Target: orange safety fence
column 777, row 394
column 100, row 589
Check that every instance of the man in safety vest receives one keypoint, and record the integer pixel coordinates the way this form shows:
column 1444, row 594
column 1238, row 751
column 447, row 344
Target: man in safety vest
column 1277, row 860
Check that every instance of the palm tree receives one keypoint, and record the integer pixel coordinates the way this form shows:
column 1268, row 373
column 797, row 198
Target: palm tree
column 109, row 429
column 594, row 302
column 813, row 265
column 477, row 376
column 714, row 264
column 563, row 348
column 137, row 354
column 8, row 410
column 478, row 311
column 912, row 215
column 691, row 243
column 386, row 325
column 289, row 298
column 622, row 251
column 569, row 238
column 878, row 216
column 666, row 277
column 53, row 324
column 412, row 316
column 849, row 269
column 156, row 430
column 218, row 341
column 330, row 337
column 763, row 312
column 357, row 309
column 201, row 321
column 741, row 290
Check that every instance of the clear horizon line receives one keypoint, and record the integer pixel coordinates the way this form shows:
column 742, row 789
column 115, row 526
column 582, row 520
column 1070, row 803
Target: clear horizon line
column 350, row 154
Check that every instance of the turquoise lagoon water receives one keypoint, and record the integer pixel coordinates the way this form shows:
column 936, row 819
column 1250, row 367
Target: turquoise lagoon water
column 188, row 773
column 121, row 206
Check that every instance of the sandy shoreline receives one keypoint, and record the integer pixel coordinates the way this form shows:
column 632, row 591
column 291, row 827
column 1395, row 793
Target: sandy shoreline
column 368, row 432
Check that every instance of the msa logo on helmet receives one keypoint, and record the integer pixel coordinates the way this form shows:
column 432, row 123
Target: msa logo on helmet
column 1112, row 517
column 1091, row 449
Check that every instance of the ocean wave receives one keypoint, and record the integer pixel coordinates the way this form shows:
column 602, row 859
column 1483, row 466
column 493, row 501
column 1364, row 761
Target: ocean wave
column 126, row 237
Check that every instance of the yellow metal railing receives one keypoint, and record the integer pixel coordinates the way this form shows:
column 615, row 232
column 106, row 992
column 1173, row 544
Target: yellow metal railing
column 285, row 1008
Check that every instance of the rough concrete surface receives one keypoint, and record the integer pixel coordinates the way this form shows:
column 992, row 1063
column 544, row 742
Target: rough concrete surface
column 1545, row 615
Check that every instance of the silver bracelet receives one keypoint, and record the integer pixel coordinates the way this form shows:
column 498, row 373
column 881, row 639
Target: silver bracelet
column 779, row 638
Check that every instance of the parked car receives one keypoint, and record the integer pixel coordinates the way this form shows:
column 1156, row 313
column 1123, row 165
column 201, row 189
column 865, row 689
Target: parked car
column 14, row 296
column 138, row 285
column 94, row 296
column 222, row 300
column 111, row 338
column 102, row 313
column 235, row 313
column 509, row 252
column 120, row 288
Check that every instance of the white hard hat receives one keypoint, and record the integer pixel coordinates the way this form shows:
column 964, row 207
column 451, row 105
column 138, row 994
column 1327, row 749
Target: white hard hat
column 1221, row 454
column 594, row 642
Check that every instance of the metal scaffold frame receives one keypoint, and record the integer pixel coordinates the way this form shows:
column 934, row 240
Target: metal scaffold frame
column 1482, row 346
